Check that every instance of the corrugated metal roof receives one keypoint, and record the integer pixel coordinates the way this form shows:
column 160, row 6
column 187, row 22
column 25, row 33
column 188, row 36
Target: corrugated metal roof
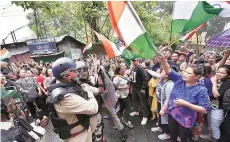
column 18, row 50
column 21, row 47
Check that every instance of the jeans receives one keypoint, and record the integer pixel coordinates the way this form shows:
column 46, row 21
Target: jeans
column 139, row 98
column 177, row 130
column 125, row 108
column 217, row 117
column 164, row 127
column 116, row 121
column 41, row 103
column 32, row 108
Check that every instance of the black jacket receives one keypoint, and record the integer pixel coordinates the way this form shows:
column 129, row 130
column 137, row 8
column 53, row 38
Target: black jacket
column 139, row 77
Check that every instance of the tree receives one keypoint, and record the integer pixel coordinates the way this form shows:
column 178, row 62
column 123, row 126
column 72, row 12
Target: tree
column 156, row 18
column 215, row 26
column 73, row 18
column 77, row 19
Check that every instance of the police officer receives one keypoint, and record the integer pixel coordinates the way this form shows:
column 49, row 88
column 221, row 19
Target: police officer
column 10, row 132
column 72, row 104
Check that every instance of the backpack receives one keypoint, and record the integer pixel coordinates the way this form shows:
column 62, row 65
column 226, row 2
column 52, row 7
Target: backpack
column 61, row 126
column 226, row 100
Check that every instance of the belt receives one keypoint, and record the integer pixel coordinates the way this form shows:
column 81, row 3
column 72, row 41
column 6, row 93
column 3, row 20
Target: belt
column 76, row 134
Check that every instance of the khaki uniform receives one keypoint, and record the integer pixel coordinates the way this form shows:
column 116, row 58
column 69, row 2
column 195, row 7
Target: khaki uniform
column 74, row 104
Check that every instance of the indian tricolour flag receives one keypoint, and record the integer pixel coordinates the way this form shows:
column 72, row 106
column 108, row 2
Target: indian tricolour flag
column 190, row 14
column 110, row 48
column 127, row 27
column 4, row 54
column 190, row 34
column 88, row 46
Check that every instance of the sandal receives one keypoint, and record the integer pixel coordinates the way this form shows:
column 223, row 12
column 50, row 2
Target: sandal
column 128, row 124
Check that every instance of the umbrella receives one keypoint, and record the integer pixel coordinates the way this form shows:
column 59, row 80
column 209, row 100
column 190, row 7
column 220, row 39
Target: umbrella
column 220, row 40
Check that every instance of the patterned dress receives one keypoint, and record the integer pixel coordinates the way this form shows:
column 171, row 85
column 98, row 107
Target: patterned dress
column 196, row 94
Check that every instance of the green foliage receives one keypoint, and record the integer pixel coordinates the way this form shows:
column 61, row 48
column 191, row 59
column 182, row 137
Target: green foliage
column 77, row 18
column 44, row 5
column 216, row 26
column 156, row 18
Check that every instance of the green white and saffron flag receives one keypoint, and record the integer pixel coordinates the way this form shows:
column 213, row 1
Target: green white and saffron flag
column 128, row 27
column 188, row 15
column 112, row 50
column 193, row 32
column 88, row 46
column 4, row 54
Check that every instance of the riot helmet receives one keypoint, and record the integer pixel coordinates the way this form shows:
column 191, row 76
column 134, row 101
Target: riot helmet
column 63, row 68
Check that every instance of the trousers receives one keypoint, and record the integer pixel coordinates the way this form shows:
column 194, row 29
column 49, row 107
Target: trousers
column 177, row 130
column 139, row 99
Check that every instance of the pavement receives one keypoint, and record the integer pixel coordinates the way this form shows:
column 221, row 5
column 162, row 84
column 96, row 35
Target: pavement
column 138, row 134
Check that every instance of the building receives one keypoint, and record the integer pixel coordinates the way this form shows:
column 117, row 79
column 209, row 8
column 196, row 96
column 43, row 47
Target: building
column 44, row 50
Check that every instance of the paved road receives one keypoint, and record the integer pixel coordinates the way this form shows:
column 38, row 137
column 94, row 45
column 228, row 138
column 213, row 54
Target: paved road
column 138, row 134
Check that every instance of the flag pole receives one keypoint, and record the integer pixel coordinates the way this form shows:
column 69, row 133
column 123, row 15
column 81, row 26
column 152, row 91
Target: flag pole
column 170, row 37
column 86, row 32
column 197, row 38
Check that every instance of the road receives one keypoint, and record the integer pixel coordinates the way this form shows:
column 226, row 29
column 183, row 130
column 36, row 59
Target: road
column 138, row 134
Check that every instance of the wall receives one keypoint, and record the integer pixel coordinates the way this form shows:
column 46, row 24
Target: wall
column 24, row 57
column 63, row 46
column 19, row 52
column 97, row 49
column 71, row 47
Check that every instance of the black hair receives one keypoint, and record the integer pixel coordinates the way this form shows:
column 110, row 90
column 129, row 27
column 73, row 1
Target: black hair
column 227, row 68
column 175, row 68
column 218, row 58
column 147, row 63
column 117, row 71
column 107, row 67
column 200, row 61
column 207, row 71
column 176, row 52
column 197, row 69
column 170, row 50
column 31, row 65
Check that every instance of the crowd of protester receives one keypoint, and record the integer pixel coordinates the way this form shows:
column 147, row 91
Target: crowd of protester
column 181, row 90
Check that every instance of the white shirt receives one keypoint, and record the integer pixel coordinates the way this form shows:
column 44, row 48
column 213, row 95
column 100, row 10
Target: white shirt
column 122, row 84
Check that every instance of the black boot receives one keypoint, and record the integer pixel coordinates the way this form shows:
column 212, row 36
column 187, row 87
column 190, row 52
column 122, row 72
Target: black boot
column 124, row 134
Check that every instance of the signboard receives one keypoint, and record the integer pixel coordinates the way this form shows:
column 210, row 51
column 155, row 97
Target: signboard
column 42, row 46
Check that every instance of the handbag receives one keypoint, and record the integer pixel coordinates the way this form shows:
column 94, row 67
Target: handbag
column 214, row 104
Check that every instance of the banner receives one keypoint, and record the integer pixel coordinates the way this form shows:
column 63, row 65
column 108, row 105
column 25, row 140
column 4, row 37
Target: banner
column 42, row 46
